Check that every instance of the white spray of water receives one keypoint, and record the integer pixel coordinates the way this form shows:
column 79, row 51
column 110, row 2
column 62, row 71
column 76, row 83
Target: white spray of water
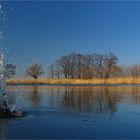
column 4, row 106
column 2, row 67
column 9, row 110
column 2, row 76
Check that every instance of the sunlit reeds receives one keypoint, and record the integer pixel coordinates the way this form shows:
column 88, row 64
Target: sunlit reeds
column 121, row 80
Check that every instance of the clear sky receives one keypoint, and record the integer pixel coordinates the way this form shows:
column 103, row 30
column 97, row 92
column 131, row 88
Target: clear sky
column 41, row 32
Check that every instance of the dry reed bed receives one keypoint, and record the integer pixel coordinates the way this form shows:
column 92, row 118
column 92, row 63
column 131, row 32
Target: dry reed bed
column 124, row 80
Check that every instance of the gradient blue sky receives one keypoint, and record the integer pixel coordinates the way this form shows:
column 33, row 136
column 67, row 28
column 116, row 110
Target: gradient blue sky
column 43, row 31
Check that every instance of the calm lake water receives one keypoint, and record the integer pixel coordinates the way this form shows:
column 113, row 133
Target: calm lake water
column 74, row 112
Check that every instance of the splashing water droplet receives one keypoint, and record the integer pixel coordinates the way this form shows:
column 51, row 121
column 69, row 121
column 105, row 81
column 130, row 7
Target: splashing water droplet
column 6, row 110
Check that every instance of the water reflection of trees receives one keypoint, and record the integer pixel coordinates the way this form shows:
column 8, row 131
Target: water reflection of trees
column 136, row 98
column 90, row 100
column 83, row 99
column 132, row 95
column 54, row 97
column 34, row 96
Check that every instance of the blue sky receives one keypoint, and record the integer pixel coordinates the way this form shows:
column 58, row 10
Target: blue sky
column 41, row 32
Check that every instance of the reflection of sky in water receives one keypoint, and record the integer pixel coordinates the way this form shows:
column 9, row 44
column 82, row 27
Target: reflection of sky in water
column 74, row 112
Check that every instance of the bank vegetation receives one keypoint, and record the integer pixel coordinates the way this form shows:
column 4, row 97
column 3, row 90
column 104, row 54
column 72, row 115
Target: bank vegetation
column 76, row 68
column 124, row 80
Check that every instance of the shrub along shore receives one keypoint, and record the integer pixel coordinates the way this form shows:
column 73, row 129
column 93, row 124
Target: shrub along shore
column 121, row 80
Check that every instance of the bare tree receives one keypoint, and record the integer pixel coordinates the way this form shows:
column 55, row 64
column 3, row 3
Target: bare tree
column 110, row 64
column 58, row 70
column 99, row 65
column 76, row 65
column 64, row 63
column 135, row 70
column 126, row 71
column 87, row 66
column 51, row 71
column 35, row 71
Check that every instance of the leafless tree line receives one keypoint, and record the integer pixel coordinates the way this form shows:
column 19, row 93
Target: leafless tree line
column 76, row 65
column 133, row 70
column 79, row 66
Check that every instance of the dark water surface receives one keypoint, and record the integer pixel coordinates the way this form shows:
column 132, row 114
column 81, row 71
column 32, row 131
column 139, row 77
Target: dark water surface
column 72, row 112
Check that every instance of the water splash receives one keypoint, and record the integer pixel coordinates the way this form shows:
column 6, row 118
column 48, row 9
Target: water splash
column 6, row 110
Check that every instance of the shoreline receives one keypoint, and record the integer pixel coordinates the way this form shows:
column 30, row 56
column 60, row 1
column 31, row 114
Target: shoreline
column 63, row 81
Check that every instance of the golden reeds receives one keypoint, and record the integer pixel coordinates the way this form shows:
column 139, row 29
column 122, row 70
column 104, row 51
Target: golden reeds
column 121, row 80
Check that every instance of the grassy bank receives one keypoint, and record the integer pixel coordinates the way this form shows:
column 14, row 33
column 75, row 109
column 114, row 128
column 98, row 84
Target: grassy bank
column 124, row 80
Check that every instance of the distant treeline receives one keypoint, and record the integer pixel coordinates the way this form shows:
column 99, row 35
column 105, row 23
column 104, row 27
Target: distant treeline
column 79, row 66
column 76, row 65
